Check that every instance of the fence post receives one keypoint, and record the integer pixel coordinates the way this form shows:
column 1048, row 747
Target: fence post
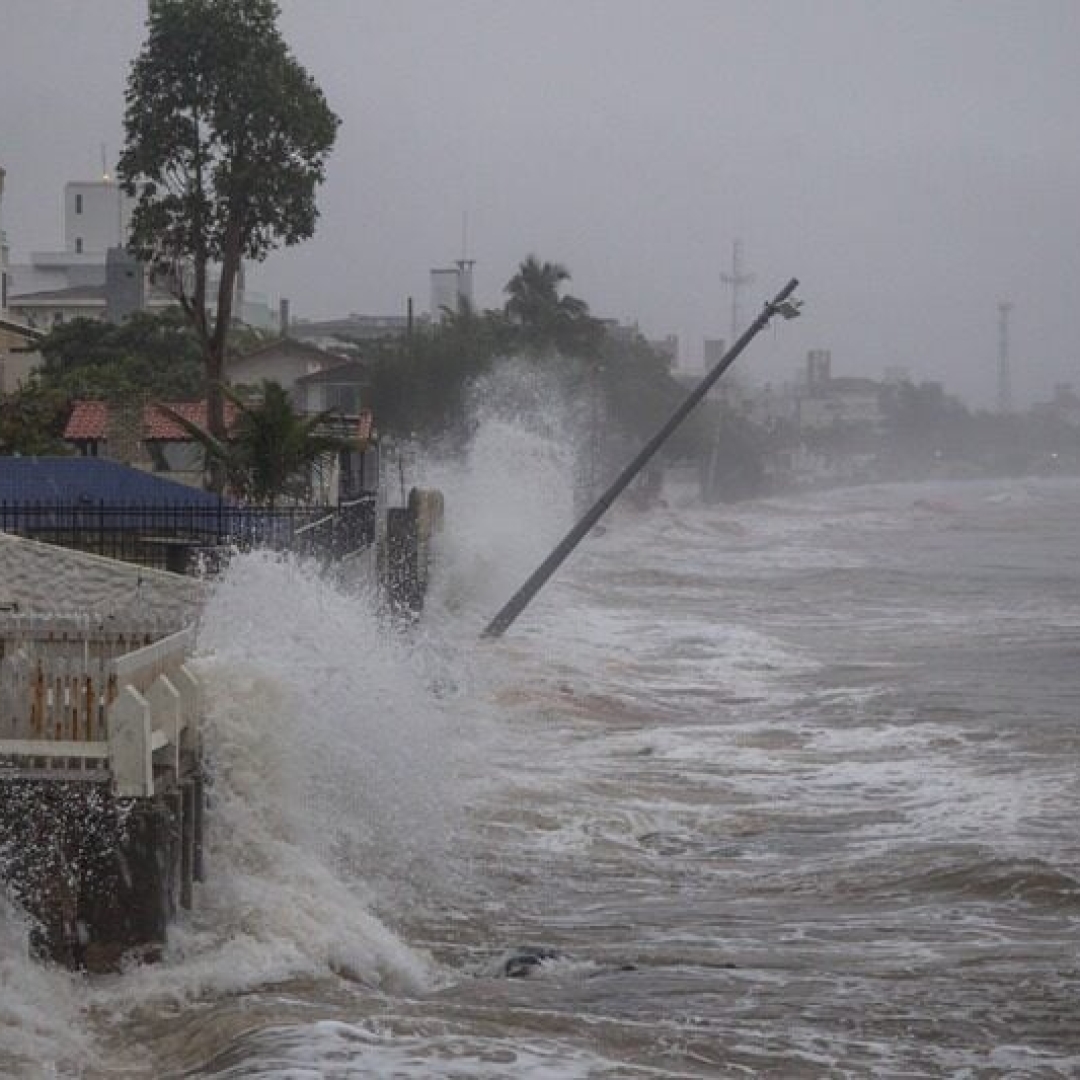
column 165, row 706
column 190, row 690
column 130, row 745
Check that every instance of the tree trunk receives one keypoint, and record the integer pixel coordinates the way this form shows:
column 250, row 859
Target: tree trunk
column 215, row 352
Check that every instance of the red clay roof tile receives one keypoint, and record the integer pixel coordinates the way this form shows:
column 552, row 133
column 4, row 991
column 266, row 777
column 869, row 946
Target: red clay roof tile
column 89, row 420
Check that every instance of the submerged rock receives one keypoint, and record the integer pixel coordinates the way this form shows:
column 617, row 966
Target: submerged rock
column 523, row 961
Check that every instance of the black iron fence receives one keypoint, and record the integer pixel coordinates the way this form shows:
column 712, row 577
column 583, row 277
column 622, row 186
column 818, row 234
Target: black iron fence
column 180, row 536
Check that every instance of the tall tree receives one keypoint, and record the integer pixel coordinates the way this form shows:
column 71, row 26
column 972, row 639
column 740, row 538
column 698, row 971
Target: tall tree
column 546, row 318
column 226, row 141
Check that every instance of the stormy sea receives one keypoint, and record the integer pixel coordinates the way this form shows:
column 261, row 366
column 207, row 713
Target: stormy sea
column 785, row 788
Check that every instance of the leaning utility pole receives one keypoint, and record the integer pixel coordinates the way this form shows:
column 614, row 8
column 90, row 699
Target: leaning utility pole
column 779, row 305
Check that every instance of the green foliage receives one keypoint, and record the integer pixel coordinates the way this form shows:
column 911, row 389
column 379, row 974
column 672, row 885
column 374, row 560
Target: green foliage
column 226, row 141
column 420, row 384
column 32, row 421
column 917, row 413
column 640, row 394
column 923, row 424
column 545, row 321
column 152, row 355
column 272, row 449
column 735, row 463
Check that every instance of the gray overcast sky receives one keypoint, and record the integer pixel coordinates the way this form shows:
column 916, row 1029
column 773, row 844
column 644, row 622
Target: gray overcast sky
column 912, row 162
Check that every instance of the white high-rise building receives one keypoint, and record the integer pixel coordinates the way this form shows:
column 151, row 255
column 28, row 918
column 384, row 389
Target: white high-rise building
column 451, row 289
column 92, row 275
column 95, row 217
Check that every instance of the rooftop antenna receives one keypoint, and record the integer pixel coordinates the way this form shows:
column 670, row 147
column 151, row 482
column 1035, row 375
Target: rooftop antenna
column 106, row 178
column 735, row 281
column 1004, row 387
column 465, row 267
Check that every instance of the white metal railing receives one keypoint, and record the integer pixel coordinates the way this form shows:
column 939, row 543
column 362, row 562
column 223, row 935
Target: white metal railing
column 107, row 698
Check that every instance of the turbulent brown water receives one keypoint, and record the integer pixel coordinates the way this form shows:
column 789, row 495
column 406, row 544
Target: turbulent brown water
column 789, row 789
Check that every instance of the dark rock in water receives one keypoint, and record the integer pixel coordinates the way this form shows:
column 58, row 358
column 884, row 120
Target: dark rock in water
column 524, row 961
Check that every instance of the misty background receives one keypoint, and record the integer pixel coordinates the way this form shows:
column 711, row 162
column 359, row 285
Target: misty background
column 912, row 163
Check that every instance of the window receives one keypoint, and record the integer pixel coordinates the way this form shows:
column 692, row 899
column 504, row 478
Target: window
column 342, row 398
column 78, row 204
column 78, row 245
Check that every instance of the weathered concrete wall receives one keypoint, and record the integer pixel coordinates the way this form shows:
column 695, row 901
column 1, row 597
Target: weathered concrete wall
column 49, row 579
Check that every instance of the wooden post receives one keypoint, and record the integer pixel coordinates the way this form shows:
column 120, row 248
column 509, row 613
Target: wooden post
column 187, row 844
column 149, row 902
column 198, row 866
column 402, row 573
column 165, row 710
column 131, row 745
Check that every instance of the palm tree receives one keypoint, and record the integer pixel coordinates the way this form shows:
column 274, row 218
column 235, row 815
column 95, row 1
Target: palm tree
column 545, row 319
column 272, row 449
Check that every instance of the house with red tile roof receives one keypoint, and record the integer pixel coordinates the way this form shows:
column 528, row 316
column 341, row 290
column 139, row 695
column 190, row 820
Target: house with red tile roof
column 142, row 434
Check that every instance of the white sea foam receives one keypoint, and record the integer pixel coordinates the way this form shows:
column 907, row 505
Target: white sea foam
column 334, row 779
column 41, row 1028
column 510, row 499
column 640, row 725
column 343, row 751
column 334, row 1048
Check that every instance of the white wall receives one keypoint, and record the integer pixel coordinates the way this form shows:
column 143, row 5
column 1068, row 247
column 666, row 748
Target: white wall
column 16, row 368
column 47, row 579
column 284, row 368
column 97, row 214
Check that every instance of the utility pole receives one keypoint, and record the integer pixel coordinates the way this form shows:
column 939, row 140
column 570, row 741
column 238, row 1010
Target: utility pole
column 1004, row 387
column 735, row 281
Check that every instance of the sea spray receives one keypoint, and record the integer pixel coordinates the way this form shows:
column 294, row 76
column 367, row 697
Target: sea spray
column 510, row 497
column 345, row 752
column 41, row 1028
column 346, row 756
column 336, row 764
